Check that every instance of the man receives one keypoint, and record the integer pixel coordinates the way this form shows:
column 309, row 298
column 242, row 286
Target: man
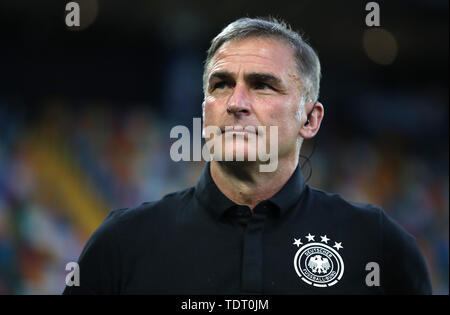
column 244, row 231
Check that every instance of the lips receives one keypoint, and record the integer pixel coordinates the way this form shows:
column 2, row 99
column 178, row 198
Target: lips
column 239, row 129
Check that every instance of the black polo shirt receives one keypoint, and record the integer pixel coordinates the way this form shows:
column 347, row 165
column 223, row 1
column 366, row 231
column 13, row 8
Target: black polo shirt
column 300, row 241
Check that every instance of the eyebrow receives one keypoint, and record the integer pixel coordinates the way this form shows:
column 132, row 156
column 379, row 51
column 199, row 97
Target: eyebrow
column 264, row 77
column 254, row 76
column 223, row 75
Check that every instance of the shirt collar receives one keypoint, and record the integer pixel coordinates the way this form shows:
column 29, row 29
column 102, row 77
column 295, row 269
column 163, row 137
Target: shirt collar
column 215, row 201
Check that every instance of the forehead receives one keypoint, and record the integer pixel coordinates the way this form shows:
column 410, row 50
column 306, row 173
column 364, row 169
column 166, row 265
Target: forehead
column 255, row 54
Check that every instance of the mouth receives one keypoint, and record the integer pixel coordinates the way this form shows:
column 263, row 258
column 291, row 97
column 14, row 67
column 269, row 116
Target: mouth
column 239, row 130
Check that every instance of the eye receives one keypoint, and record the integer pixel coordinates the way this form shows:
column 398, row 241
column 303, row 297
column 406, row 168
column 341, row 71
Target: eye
column 261, row 86
column 220, row 85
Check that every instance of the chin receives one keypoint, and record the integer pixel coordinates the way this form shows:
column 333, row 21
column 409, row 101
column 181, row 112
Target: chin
column 241, row 151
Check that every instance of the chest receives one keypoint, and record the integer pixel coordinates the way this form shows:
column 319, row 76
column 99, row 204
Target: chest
column 290, row 259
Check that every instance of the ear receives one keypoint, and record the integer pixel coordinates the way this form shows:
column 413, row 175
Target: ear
column 309, row 130
column 203, row 119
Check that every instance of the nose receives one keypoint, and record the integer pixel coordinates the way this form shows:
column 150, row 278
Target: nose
column 239, row 102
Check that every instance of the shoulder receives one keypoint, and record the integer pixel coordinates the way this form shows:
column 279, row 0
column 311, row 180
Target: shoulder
column 126, row 220
column 405, row 269
column 362, row 216
column 165, row 206
column 336, row 206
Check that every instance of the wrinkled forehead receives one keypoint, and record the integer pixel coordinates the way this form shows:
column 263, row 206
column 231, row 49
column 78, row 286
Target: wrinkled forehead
column 255, row 54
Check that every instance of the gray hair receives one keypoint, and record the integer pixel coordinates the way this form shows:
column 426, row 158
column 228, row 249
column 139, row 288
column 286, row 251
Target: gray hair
column 306, row 58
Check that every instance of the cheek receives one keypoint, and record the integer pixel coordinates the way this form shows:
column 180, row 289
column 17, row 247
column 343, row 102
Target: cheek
column 283, row 115
column 280, row 112
column 211, row 110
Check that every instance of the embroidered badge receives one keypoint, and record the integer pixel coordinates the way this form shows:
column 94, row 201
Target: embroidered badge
column 317, row 263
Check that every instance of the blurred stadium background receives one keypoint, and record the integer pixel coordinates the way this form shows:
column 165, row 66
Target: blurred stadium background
column 85, row 116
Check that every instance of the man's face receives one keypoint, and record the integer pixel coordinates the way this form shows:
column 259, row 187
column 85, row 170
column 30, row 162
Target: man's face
column 254, row 82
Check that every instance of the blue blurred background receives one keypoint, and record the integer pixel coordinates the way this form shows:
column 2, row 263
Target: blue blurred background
column 85, row 116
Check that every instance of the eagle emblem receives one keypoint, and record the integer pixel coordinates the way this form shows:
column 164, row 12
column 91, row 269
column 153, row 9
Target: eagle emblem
column 317, row 263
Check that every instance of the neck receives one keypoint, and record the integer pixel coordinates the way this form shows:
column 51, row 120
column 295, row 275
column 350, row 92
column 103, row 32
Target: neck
column 244, row 184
